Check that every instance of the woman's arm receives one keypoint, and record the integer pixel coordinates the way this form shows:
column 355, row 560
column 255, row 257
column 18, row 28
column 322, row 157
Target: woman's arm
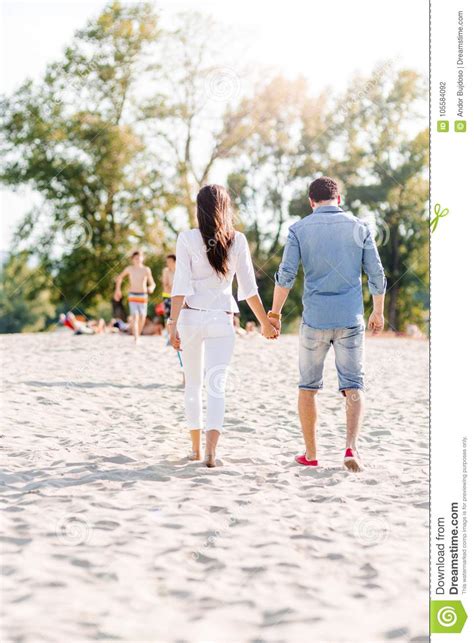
column 248, row 289
column 182, row 287
column 176, row 305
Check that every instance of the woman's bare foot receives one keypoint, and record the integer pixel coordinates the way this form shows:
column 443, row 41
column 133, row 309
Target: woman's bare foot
column 195, row 435
column 212, row 437
column 210, row 460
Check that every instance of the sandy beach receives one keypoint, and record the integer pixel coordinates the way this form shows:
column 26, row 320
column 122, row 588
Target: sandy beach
column 109, row 533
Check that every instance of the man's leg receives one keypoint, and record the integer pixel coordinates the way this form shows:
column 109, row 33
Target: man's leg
column 307, row 409
column 135, row 326
column 355, row 402
column 141, row 323
column 313, row 348
column 349, row 352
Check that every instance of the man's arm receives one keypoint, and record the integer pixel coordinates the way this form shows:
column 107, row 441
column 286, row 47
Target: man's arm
column 376, row 319
column 286, row 276
column 118, row 284
column 373, row 268
column 280, row 295
column 150, row 281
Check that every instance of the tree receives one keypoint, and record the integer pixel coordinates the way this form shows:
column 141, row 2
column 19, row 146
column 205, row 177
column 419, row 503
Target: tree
column 25, row 296
column 134, row 119
column 73, row 140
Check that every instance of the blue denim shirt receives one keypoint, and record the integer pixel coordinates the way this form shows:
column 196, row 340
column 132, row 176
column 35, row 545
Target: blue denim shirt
column 333, row 246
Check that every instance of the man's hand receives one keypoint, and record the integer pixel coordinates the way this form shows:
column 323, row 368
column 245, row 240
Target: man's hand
column 376, row 322
column 269, row 331
column 117, row 295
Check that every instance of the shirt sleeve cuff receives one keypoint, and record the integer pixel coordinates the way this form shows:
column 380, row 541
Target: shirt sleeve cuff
column 378, row 289
column 285, row 280
column 182, row 291
column 242, row 295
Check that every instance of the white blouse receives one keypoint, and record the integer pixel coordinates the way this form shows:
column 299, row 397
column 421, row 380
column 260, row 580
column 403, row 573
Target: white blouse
column 197, row 280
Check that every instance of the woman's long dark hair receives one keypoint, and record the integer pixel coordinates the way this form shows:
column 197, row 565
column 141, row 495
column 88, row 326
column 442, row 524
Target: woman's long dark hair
column 214, row 217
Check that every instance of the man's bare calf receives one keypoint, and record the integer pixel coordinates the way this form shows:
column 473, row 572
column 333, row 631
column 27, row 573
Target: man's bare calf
column 307, row 409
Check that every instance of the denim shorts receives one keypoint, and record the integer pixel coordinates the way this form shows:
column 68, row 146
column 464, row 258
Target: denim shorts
column 348, row 346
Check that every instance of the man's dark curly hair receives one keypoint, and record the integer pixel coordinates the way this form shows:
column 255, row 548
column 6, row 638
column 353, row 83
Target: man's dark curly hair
column 323, row 189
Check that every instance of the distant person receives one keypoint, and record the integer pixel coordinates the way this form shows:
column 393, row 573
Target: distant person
column 118, row 309
column 251, row 328
column 141, row 284
column 334, row 247
column 152, row 327
column 167, row 282
column 119, row 325
column 89, row 327
column 239, row 331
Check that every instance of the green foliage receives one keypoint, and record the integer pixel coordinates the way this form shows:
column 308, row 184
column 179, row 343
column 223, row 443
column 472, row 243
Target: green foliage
column 25, row 297
column 118, row 143
column 73, row 140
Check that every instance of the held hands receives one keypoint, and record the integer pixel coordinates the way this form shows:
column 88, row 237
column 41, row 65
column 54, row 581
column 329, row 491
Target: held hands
column 276, row 323
column 269, row 331
column 376, row 322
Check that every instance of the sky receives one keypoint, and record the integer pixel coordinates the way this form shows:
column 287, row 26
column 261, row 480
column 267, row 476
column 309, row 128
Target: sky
column 327, row 42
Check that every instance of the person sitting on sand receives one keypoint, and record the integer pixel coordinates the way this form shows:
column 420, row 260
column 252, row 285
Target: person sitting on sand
column 141, row 284
column 89, row 327
column 117, row 325
column 202, row 308
column 152, row 327
column 334, row 247
column 239, row 331
column 251, row 328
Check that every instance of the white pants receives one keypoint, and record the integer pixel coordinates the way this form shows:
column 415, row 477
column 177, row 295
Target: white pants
column 207, row 342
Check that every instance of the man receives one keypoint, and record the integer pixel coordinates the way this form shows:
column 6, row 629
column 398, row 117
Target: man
column 141, row 283
column 167, row 281
column 333, row 246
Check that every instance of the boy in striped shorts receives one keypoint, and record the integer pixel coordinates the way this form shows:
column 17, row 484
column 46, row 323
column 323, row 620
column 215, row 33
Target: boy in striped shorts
column 141, row 284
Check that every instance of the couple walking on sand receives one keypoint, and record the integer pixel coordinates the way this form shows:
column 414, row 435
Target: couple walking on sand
column 333, row 247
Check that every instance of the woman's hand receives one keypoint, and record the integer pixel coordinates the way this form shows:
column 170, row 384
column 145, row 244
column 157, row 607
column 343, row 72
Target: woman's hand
column 269, row 331
column 175, row 340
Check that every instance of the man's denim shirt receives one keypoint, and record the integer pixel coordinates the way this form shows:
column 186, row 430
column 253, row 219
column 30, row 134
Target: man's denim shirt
column 333, row 246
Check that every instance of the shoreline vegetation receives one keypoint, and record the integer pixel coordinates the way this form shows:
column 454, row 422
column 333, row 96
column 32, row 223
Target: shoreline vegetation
column 123, row 129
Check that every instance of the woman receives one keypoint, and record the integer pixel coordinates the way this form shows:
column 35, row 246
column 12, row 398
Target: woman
column 202, row 308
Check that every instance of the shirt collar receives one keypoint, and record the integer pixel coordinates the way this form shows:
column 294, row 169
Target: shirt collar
column 327, row 209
